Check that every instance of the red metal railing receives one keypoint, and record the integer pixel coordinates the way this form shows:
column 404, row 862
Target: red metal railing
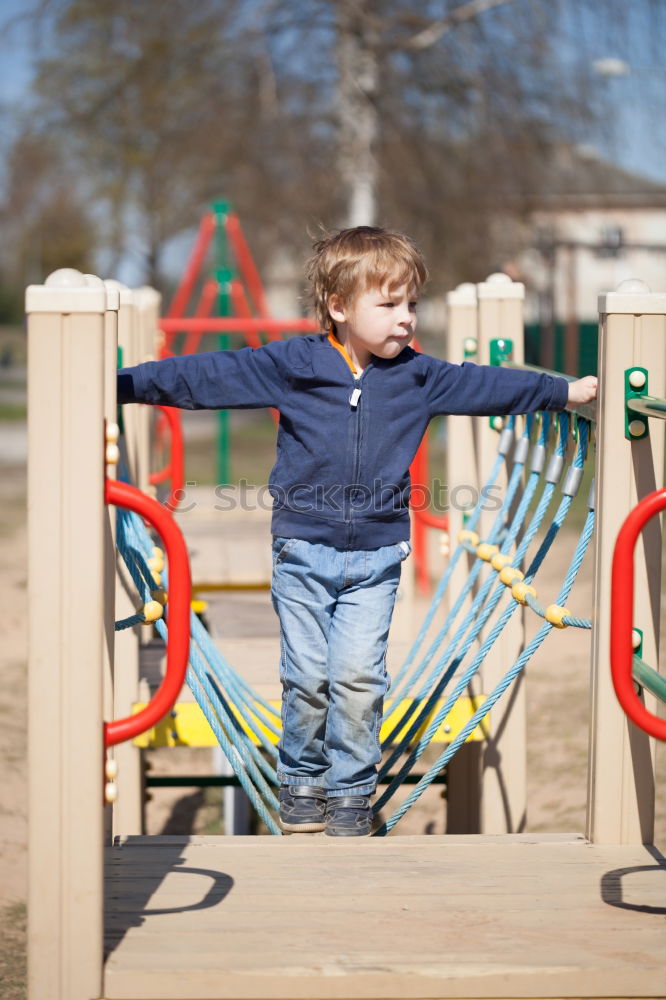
column 194, row 266
column 234, row 324
column 420, row 478
column 622, row 614
column 209, row 294
column 178, row 612
column 175, row 467
column 246, row 264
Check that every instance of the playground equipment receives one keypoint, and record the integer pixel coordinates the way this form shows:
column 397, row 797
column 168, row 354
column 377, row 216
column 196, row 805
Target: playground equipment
column 197, row 917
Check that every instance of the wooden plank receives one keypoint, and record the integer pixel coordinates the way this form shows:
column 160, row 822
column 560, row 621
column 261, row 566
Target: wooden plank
column 411, row 917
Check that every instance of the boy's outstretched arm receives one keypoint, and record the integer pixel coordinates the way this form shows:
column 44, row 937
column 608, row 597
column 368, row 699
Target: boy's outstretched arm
column 584, row 390
column 217, row 380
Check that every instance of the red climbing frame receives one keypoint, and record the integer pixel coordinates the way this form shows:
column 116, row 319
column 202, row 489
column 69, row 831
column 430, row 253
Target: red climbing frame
column 180, row 591
column 175, row 467
column 622, row 613
column 423, row 519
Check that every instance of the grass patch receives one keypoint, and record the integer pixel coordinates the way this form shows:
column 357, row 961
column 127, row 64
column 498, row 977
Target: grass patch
column 13, row 346
column 13, row 508
column 13, row 963
column 13, row 412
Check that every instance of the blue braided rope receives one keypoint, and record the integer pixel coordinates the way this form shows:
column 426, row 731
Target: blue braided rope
column 137, row 619
column 469, row 673
column 216, row 707
column 214, row 655
column 473, row 623
column 501, row 687
column 495, row 531
column 572, row 620
column 445, row 579
column 227, row 675
column 237, row 749
column 507, row 540
column 134, row 527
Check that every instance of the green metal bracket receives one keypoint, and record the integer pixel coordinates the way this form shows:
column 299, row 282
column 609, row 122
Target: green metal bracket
column 638, row 652
column 635, row 386
column 470, row 348
column 220, row 209
column 501, row 350
column 224, row 275
column 644, row 675
column 119, row 420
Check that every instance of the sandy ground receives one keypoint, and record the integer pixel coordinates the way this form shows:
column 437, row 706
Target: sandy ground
column 557, row 730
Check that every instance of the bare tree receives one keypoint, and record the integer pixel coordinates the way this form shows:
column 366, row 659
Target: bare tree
column 144, row 107
column 45, row 222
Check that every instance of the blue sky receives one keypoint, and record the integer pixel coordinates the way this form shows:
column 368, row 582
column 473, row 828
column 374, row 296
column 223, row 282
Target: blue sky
column 632, row 133
column 15, row 47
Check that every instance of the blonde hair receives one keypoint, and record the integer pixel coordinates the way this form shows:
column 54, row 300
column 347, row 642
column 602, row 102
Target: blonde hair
column 352, row 261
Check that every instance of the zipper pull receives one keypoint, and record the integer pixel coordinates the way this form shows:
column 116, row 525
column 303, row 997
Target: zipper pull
column 355, row 396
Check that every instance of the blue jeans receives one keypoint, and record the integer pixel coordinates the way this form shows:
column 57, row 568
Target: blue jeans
column 335, row 610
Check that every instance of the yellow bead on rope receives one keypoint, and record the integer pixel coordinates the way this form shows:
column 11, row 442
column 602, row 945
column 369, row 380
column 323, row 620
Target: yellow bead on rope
column 499, row 561
column 152, row 610
column 555, row 613
column 468, row 536
column 486, row 552
column 519, row 592
column 510, row 575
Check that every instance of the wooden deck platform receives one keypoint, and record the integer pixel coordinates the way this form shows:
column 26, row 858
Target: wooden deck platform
column 410, row 917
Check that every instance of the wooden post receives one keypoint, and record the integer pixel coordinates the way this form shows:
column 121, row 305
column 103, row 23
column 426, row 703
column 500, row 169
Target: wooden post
column 111, row 436
column 134, row 351
column 128, row 810
column 463, row 485
column 462, row 478
column 66, row 637
column 504, row 771
column 632, row 332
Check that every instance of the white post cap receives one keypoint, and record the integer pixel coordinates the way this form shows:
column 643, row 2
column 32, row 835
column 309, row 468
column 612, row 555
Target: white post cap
column 126, row 294
column 112, row 297
column 463, row 295
column 500, row 286
column 65, row 291
column 633, row 296
column 145, row 297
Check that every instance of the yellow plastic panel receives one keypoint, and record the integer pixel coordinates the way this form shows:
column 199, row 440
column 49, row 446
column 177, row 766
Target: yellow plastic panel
column 188, row 726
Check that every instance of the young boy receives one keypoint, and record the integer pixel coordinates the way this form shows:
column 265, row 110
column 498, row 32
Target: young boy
column 354, row 403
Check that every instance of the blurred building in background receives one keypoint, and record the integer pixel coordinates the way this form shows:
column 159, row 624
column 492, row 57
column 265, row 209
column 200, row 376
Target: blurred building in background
column 589, row 227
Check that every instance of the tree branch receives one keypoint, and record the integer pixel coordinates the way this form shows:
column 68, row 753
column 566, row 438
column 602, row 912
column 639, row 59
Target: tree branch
column 466, row 12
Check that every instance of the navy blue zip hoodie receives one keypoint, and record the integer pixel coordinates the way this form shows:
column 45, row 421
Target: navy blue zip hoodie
column 341, row 476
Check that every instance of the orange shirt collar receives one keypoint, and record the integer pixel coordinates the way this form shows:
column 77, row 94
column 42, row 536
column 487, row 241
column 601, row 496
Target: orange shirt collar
column 334, row 342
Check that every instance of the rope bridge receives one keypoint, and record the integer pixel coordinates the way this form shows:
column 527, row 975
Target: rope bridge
column 247, row 726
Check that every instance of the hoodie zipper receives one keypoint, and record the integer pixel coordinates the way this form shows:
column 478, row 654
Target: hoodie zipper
column 354, row 402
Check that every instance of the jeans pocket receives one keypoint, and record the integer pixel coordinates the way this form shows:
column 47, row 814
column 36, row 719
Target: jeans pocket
column 281, row 547
column 404, row 549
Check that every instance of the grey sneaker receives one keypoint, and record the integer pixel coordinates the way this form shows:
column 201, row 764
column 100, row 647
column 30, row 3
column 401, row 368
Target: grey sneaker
column 348, row 816
column 302, row 808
